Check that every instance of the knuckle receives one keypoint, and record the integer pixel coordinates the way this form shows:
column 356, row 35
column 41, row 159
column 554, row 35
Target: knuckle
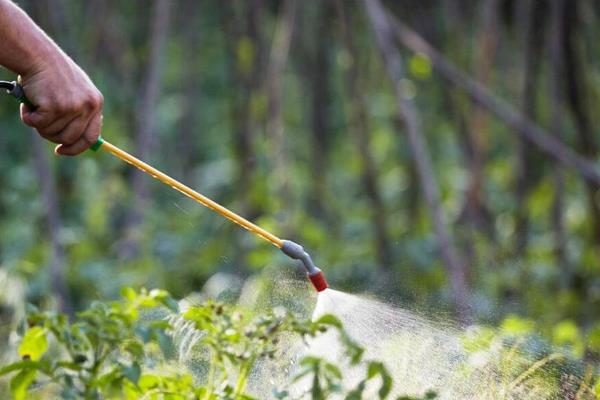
column 63, row 107
column 99, row 98
column 94, row 101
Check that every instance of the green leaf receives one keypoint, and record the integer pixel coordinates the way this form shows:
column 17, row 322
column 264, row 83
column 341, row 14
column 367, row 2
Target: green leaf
column 134, row 347
column 280, row 395
column 21, row 365
column 420, row 66
column 149, row 381
column 132, row 372
column 34, row 344
column 353, row 350
column 20, row 383
column 128, row 293
column 593, row 338
column 516, row 325
column 329, row 319
column 378, row 369
column 170, row 303
column 355, row 394
column 333, row 371
column 565, row 332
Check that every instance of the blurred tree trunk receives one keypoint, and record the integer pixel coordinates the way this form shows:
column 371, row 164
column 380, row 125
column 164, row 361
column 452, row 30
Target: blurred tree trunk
column 57, row 263
column 456, row 268
column 319, row 81
column 521, row 125
column 243, row 24
column 470, row 121
column 187, row 128
column 275, row 130
column 557, row 122
column 577, row 98
column 112, row 45
column 145, row 121
column 474, row 209
column 358, row 123
column 526, row 174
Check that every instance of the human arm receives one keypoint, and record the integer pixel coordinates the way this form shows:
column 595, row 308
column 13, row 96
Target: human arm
column 68, row 105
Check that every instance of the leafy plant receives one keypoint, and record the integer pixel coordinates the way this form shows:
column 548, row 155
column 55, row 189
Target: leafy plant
column 93, row 356
column 525, row 365
column 120, row 350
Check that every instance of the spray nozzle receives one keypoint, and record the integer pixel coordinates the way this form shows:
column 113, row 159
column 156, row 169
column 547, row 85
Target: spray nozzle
column 315, row 275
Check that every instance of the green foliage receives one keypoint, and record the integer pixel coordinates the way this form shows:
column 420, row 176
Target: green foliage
column 118, row 350
column 514, row 325
column 34, row 344
column 216, row 95
column 295, row 166
column 420, row 66
column 95, row 355
column 523, row 362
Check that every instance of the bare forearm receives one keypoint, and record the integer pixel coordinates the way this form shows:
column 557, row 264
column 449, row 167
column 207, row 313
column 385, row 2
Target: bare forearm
column 71, row 116
column 23, row 45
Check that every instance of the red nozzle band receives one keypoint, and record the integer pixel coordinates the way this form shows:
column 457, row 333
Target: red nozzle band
column 318, row 281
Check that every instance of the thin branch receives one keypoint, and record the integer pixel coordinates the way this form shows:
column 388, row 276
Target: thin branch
column 481, row 95
column 407, row 110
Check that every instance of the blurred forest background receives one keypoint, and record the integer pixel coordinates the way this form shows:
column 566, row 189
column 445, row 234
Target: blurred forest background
column 331, row 126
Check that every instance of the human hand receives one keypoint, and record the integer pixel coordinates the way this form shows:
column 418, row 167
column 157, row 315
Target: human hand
column 68, row 105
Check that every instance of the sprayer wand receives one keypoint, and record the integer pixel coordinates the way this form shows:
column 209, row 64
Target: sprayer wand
column 289, row 248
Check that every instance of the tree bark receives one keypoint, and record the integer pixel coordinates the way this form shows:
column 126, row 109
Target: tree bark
column 145, row 121
column 557, row 122
column 358, row 123
column 52, row 221
column 479, row 94
column 474, row 209
column 406, row 108
column 320, row 92
column 275, row 131
column 186, row 148
column 578, row 104
column 243, row 23
column 243, row 30
column 527, row 175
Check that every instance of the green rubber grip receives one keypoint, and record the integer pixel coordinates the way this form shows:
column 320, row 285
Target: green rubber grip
column 96, row 146
column 19, row 94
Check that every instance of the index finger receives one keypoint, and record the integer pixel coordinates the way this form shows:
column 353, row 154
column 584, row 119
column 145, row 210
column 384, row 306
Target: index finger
column 38, row 118
column 89, row 137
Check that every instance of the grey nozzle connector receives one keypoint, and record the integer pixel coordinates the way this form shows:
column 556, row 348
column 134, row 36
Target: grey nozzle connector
column 295, row 251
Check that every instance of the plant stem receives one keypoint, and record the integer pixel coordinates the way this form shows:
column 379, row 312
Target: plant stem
column 211, row 377
column 242, row 378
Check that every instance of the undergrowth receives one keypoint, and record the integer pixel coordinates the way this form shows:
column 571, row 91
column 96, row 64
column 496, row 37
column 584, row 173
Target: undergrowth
column 124, row 350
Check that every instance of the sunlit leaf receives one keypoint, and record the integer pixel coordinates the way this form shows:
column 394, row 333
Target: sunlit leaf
column 517, row 326
column 34, row 344
column 420, row 66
